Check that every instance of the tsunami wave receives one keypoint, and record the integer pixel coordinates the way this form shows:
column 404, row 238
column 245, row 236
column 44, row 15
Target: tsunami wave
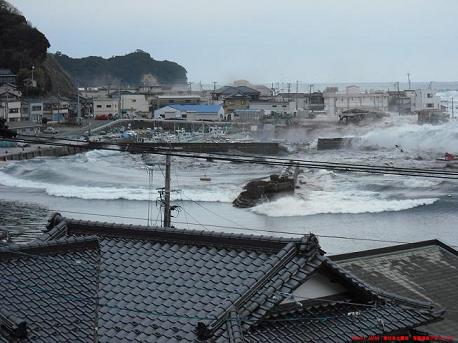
column 328, row 203
column 215, row 194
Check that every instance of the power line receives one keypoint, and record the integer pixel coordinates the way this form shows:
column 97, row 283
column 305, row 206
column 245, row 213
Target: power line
column 416, row 172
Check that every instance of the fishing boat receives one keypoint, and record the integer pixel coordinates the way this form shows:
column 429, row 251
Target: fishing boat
column 258, row 191
column 205, row 178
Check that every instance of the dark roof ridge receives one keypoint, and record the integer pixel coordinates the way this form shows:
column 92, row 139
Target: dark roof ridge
column 283, row 257
column 47, row 247
column 308, row 244
column 12, row 327
column 260, row 242
column 393, row 249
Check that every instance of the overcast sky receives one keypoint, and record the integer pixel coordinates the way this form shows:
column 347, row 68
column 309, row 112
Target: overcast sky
column 263, row 40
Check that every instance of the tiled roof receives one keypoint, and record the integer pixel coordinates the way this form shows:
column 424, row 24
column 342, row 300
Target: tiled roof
column 337, row 322
column 167, row 285
column 424, row 271
column 53, row 288
column 159, row 283
column 242, row 90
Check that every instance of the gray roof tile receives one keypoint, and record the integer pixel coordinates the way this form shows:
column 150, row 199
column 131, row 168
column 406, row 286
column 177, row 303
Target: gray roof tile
column 155, row 285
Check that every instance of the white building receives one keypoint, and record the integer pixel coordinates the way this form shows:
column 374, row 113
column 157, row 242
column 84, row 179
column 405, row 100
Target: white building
column 191, row 112
column 282, row 107
column 32, row 109
column 423, row 99
column 10, row 104
column 335, row 102
column 244, row 115
column 134, row 104
column 106, row 107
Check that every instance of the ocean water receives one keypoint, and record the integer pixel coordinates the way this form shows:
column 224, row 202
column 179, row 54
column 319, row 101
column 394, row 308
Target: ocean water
column 115, row 186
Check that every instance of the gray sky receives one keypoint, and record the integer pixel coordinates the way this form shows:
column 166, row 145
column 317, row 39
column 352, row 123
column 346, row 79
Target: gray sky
column 263, row 40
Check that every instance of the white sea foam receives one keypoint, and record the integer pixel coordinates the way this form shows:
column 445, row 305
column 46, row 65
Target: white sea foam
column 340, row 202
column 217, row 194
column 413, row 138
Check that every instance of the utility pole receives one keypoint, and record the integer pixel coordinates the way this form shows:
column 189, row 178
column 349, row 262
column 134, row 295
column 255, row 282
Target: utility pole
column 453, row 109
column 297, row 93
column 167, row 211
column 78, row 111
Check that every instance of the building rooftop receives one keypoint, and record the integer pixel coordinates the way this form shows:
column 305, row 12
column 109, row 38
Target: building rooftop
column 6, row 72
column 178, row 96
column 202, row 108
column 90, row 281
column 425, row 271
column 230, row 91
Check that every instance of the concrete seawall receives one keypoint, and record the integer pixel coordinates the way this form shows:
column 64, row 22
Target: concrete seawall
column 18, row 154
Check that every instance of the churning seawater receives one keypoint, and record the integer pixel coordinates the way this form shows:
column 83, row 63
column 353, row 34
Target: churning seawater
column 114, row 186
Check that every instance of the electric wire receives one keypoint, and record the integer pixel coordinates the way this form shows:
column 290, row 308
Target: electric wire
column 417, row 172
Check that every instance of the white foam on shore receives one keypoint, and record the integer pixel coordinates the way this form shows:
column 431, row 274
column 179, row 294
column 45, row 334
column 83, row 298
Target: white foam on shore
column 341, row 202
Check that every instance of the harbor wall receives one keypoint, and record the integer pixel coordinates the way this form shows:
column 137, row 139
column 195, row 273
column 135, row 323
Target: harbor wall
column 251, row 148
column 333, row 143
column 41, row 151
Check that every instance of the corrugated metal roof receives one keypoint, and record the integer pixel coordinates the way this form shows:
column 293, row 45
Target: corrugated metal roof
column 205, row 108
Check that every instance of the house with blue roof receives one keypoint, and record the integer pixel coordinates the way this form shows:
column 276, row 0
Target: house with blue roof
column 191, row 112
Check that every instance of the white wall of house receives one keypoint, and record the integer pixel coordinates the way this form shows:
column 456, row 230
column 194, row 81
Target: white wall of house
column 35, row 111
column 196, row 116
column 134, row 103
column 106, row 106
column 424, row 99
column 11, row 110
column 317, row 286
column 167, row 112
column 274, row 106
column 336, row 102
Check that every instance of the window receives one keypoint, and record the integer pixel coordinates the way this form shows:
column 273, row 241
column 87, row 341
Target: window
column 99, row 106
column 429, row 105
column 134, row 100
column 108, row 106
column 36, row 108
column 274, row 105
column 429, row 95
column 14, row 110
column 187, row 101
column 171, row 101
